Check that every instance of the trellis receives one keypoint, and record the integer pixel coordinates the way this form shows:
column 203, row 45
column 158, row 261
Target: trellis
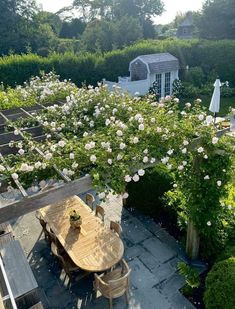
column 52, row 195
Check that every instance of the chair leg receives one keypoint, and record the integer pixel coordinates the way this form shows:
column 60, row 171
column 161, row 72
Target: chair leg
column 110, row 303
column 127, row 297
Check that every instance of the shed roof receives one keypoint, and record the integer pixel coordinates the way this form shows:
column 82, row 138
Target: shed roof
column 158, row 63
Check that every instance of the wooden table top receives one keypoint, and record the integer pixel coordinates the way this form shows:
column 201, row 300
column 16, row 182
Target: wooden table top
column 94, row 247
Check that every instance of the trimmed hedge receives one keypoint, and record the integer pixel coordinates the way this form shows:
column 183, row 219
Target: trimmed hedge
column 220, row 286
column 212, row 56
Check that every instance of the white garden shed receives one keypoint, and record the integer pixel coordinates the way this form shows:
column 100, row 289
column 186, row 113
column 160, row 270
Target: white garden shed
column 144, row 70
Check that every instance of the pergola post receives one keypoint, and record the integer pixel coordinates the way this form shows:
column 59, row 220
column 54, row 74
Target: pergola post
column 193, row 241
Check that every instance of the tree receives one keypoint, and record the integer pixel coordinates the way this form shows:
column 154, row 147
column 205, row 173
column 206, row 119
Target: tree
column 73, row 28
column 16, row 20
column 103, row 35
column 115, row 9
column 217, row 20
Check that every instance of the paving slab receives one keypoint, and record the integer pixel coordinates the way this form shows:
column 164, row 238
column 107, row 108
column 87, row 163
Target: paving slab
column 134, row 231
column 141, row 275
column 159, row 250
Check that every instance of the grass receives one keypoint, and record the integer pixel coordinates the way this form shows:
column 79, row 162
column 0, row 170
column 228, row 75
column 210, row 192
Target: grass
column 225, row 104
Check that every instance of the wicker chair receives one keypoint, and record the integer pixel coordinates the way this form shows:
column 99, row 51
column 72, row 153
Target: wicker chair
column 90, row 200
column 99, row 212
column 115, row 283
column 116, row 227
column 43, row 224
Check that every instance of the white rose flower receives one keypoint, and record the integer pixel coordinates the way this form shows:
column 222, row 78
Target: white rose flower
column 145, row 151
column 85, row 134
column 110, row 161
column 93, row 158
column 16, row 132
column 38, row 164
column 21, row 151
column 127, row 178
column 153, row 160
column 141, row 120
column 145, row 159
column 119, row 133
column 102, row 195
column 201, row 117
column 107, row 122
column 71, row 156
column 188, row 105
column 125, row 195
column 184, row 150
column 229, row 207
column 88, row 146
column 199, row 101
column 219, row 183
column 141, row 127
column 215, row 140
column 136, row 178
column 200, row 149
column 170, row 152
column 74, row 165
column 180, row 167
column 15, row 176
column 137, row 116
column 205, row 157
column 174, row 185
column 48, row 156
column 169, row 166
column 209, row 119
column 208, row 223
column 122, row 146
column 176, row 100
column 135, row 140
column 119, row 157
column 2, row 168
column 129, row 109
column 207, row 177
column 141, row 172
column 185, row 142
column 62, row 143
column 184, row 163
column 159, row 130
column 165, row 160
column 153, row 120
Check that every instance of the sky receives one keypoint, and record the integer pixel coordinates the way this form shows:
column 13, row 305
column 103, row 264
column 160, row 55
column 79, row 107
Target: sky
column 171, row 7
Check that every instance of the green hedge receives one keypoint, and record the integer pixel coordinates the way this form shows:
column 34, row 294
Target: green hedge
column 217, row 57
column 220, row 286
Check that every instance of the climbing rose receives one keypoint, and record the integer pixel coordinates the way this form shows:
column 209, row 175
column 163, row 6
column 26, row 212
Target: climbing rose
column 215, row 140
column 136, row 178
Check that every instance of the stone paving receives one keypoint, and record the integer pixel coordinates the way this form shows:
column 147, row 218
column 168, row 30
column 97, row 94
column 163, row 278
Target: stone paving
column 150, row 251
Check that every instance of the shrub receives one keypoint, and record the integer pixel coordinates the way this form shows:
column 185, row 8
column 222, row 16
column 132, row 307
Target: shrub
column 220, row 283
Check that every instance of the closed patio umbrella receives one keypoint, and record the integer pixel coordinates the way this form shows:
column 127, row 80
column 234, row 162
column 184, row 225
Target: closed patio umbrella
column 215, row 100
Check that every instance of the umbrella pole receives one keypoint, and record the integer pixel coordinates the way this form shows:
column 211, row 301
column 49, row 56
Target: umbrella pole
column 214, row 118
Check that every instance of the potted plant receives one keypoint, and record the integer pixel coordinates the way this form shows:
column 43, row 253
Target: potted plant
column 75, row 219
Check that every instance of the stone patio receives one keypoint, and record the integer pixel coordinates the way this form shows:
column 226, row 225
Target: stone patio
column 150, row 251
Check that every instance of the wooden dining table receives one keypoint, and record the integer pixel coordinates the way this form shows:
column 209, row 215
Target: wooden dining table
column 93, row 247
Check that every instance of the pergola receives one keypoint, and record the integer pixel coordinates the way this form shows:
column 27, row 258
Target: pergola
column 50, row 195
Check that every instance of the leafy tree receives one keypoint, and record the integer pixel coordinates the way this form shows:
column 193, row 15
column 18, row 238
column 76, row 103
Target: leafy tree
column 126, row 31
column 16, row 19
column 73, row 28
column 217, row 19
column 51, row 19
column 115, row 9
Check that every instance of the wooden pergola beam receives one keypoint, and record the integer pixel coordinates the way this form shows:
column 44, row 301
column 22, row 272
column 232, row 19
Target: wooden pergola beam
column 42, row 199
